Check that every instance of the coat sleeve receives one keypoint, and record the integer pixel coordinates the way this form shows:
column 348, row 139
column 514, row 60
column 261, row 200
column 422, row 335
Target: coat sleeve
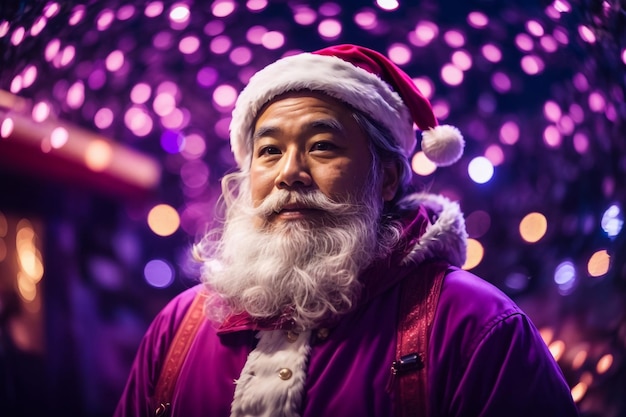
column 136, row 399
column 511, row 372
column 487, row 359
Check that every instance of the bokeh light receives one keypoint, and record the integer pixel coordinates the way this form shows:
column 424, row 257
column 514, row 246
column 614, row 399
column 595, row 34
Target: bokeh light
column 163, row 220
column 533, row 227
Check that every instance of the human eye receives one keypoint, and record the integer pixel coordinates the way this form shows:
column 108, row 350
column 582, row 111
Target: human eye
column 268, row 150
column 323, row 146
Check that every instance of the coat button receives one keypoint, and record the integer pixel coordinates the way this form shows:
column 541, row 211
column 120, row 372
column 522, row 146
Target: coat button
column 322, row 334
column 285, row 374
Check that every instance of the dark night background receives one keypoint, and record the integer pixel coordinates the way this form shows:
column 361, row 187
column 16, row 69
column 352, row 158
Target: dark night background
column 539, row 92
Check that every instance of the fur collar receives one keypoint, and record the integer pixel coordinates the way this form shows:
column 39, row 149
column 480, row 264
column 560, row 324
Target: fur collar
column 445, row 236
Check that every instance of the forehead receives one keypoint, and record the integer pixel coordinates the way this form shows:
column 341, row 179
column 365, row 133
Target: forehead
column 314, row 98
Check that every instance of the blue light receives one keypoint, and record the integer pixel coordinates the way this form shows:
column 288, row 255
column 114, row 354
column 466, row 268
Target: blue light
column 158, row 273
column 480, row 170
column 612, row 221
column 565, row 277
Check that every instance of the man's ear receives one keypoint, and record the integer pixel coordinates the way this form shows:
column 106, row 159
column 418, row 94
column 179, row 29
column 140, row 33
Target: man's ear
column 391, row 180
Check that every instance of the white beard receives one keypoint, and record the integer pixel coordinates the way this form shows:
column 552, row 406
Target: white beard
column 307, row 269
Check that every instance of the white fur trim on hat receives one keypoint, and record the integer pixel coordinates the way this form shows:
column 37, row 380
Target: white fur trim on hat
column 328, row 74
column 443, row 145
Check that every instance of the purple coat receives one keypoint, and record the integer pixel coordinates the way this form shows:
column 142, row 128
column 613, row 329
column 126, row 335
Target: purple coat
column 485, row 358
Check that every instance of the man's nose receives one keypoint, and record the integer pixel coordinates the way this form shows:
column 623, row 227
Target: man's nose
column 294, row 172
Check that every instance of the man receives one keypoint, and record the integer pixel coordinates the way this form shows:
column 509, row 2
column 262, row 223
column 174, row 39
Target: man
column 331, row 290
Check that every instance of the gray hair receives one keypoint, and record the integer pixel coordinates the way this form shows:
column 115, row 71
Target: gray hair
column 385, row 150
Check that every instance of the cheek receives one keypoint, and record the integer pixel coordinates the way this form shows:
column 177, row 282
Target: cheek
column 261, row 184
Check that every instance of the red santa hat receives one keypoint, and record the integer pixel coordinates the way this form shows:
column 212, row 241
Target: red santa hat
column 360, row 77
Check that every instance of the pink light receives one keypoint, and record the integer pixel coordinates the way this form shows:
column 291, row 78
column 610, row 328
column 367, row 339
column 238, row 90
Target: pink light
column 580, row 82
column 552, row 111
column 534, row 28
column 138, row 121
column 425, row 85
column 524, row 42
column 596, row 102
column 16, row 84
column 140, row 93
column 103, row 118
column 4, row 28
column 256, row 5
column 388, row 5
column 451, row 75
column 329, row 9
column 425, row 32
column 18, row 35
column 241, row 55
column 441, row 109
column 76, row 95
column 220, row 45
column 104, row 20
column 501, row 82
column 38, row 26
column 114, row 61
column 565, row 125
column 51, row 9
column 366, row 19
column 188, row 45
column 194, row 174
column 30, row 74
column 400, row 54
column 454, row 38
column 548, row 43
column 67, row 55
column 273, row 40
column 532, row 64
column 624, row 55
column 552, row 137
column 586, row 34
column 41, row 111
column 221, row 127
column 162, row 40
column 97, row 79
column 462, row 60
column 52, row 49
column 168, row 87
column 207, row 76
column 77, row 15
column 58, row 137
column 6, row 128
column 154, row 9
column 581, row 143
column 214, row 28
column 562, row 6
column 164, row 104
column 194, row 146
column 477, row 19
column 224, row 96
column 126, row 12
column 222, row 8
column 576, row 113
column 561, row 35
column 304, row 15
column 491, row 53
column 175, row 120
column 509, row 133
column 329, row 29
column 495, row 155
column 179, row 13
column 254, row 35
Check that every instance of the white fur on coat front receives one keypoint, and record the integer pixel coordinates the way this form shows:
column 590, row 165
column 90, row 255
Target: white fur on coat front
column 260, row 391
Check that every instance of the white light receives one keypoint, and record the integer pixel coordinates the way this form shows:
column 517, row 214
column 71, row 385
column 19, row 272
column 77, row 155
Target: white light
column 612, row 221
column 480, row 170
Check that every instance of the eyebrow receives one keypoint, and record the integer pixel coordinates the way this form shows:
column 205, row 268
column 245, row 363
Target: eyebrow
column 328, row 125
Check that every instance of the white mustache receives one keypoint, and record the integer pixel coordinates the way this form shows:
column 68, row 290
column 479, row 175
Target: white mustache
column 315, row 200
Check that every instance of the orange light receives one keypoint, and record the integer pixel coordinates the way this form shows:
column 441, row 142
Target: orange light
column 475, row 253
column 163, row 220
column 599, row 263
column 533, row 227
column 422, row 165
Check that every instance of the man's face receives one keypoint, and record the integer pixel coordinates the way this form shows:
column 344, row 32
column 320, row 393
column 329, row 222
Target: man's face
column 308, row 141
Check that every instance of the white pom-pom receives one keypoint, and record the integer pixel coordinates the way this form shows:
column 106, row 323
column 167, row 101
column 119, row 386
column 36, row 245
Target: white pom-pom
column 443, row 145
